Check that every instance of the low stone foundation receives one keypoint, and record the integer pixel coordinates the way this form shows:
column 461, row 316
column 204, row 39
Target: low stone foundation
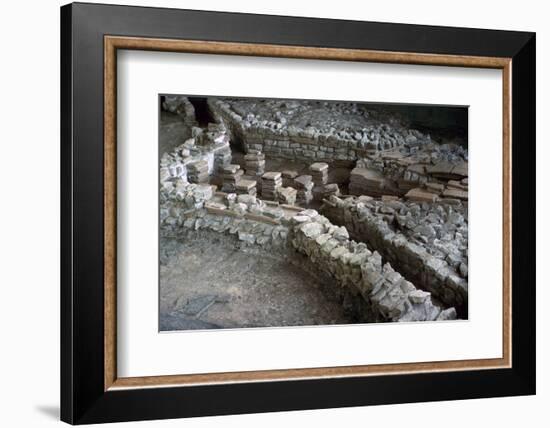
column 438, row 171
column 386, row 293
column 428, row 243
column 312, row 131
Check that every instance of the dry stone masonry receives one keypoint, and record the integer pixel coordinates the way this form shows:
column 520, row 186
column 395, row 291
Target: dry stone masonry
column 402, row 197
column 181, row 106
column 313, row 130
column 428, row 243
column 388, row 296
column 424, row 173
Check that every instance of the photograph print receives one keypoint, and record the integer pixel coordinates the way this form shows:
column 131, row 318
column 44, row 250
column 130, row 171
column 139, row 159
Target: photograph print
column 291, row 212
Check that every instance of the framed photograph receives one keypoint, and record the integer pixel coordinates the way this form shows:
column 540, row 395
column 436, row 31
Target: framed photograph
column 266, row 213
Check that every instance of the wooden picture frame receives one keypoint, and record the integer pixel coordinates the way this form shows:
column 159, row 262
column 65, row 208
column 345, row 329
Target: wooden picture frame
column 91, row 390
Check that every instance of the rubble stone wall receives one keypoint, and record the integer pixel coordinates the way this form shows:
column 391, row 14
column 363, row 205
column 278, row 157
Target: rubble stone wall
column 354, row 266
column 387, row 294
column 181, row 106
column 279, row 140
column 204, row 146
column 397, row 172
column 429, row 272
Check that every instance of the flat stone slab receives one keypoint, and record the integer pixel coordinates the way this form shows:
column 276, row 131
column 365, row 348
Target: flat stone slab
column 435, row 187
column 417, row 168
column 303, row 180
column 456, row 194
column 272, row 176
column 440, row 168
column 287, row 192
column 448, row 170
column 230, row 169
column 420, row 195
column 243, row 184
column 215, row 205
column 364, row 173
column 318, row 166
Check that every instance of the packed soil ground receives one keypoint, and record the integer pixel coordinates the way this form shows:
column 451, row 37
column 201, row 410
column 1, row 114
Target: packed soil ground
column 173, row 132
column 211, row 282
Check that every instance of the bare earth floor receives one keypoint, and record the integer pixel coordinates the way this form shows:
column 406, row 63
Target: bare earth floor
column 173, row 132
column 211, row 283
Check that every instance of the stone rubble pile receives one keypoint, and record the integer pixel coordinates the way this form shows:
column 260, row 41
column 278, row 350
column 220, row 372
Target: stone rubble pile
column 178, row 198
column 195, row 160
column 271, row 183
column 427, row 242
column 215, row 133
column 432, row 168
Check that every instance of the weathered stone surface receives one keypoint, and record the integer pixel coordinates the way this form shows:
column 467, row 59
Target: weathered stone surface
column 303, row 182
column 427, row 242
column 291, row 174
column 181, row 106
column 318, row 167
column 418, row 296
column 314, row 131
column 246, row 187
column 387, row 294
column 271, row 176
column 447, row 314
column 286, row 195
column 456, row 194
column 441, row 169
column 420, row 195
column 311, row 230
column 230, row 169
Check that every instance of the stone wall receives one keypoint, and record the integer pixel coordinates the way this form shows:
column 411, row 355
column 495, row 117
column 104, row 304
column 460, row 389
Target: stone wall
column 353, row 265
column 298, row 130
column 205, row 145
column 180, row 105
column 441, row 170
column 428, row 243
column 388, row 296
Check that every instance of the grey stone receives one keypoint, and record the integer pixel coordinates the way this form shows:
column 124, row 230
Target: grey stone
column 311, row 230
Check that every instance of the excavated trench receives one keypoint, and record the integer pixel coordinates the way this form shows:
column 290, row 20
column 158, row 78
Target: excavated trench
column 202, row 112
